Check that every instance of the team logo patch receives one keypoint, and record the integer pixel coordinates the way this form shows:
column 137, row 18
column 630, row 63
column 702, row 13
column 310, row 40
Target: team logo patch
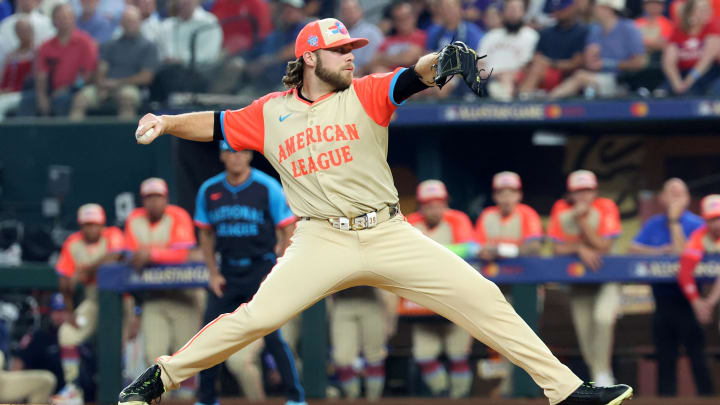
column 215, row 196
column 338, row 28
column 313, row 40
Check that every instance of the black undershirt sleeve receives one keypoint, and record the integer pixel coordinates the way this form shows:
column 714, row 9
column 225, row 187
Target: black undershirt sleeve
column 217, row 127
column 408, row 83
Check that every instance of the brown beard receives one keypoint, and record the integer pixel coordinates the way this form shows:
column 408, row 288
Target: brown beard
column 335, row 79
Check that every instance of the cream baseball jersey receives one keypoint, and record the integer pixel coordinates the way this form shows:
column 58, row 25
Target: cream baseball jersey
column 331, row 154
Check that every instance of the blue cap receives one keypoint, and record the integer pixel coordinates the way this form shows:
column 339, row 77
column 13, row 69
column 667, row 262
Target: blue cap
column 57, row 303
column 225, row 146
column 556, row 5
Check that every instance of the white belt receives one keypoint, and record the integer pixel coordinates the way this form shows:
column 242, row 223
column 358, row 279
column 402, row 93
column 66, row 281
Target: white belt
column 365, row 221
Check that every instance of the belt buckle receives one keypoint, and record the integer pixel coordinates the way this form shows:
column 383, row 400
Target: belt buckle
column 360, row 223
column 341, row 223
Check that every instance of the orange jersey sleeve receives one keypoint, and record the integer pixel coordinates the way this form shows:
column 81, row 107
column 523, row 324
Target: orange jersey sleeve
column 461, row 226
column 115, row 238
column 531, row 224
column 66, row 265
column 694, row 246
column 414, row 218
column 555, row 230
column 480, row 234
column 610, row 226
column 376, row 95
column 245, row 128
column 694, row 251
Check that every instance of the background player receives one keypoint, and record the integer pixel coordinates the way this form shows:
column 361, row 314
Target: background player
column 705, row 240
column 327, row 137
column 433, row 335
column 81, row 255
column 243, row 216
column 360, row 321
column 508, row 229
column 587, row 225
column 162, row 233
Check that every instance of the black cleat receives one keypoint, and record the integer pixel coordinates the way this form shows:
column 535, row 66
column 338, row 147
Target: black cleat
column 145, row 390
column 588, row 394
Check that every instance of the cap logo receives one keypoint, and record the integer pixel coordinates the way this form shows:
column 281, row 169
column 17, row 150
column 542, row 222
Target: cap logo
column 338, row 28
column 313, row 40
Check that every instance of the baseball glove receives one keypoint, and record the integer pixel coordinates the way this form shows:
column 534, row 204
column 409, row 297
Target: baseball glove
column 458, row 58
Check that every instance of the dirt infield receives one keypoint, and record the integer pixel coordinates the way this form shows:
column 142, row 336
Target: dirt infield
column 469, row 401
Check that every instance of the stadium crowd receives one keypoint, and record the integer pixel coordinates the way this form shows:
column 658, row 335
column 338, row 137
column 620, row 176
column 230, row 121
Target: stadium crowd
column 363, row 319
column 74, row 57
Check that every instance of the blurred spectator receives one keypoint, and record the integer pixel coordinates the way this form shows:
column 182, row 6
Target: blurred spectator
column 42, row 26
column 40, row 350
column 586, row 225
column 451, row 27
column 508, row 50
column 5, row 9
column 18, row 68
column 510, row 228
column 423, row 11
column 614, row 45
column 110, row 9
column 81, row 255
column 351, row 14
column 33, row 386
column 474, row 10
column 189, row 46
column 127, row 65
column 64, row 63
column 674, row 323
column 676, row 9
column 433, row 336
column 245, row 23
column 405, row 45
column 539, row 14
column 559, row 50
column 91, row 21
column 279, row 47
column 160, row 233
column 691, row 61
column 492, row 19
column 656, row 29
column 192, row 37
column 151, row 24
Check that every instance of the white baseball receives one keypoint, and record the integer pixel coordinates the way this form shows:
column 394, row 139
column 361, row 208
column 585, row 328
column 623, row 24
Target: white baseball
column 145, row 137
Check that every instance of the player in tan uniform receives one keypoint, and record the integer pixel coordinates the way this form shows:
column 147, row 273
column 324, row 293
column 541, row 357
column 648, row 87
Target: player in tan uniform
column 81, row 255
column 433, row 335
column 506, row 230
column 161, row 233
column 358, row 323
column 327, row 137
column 587, row 225
column 25, row 386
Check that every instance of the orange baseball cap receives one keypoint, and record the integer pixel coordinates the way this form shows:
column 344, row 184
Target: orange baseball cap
column 324, row 34
column 581, row 180
column 91, row 214
column 506, row 180
column 710, row 206
column 153, row 185
column 430, row 190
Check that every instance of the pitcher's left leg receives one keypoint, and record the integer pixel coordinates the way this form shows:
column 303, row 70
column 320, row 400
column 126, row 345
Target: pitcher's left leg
column 415, row 267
